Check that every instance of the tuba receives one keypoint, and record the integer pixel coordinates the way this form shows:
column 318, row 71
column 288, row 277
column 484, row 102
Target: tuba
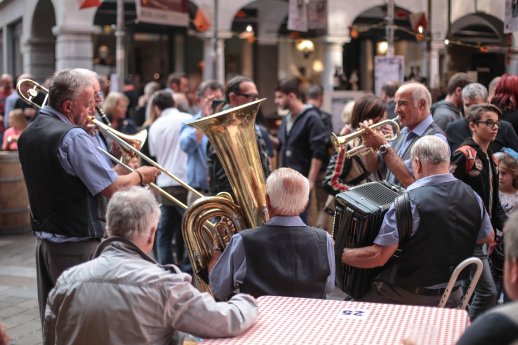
column 232, row 133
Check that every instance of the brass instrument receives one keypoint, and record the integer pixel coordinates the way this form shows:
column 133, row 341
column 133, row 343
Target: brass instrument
column 232, row 134
column 29, row 90
column 339, row 142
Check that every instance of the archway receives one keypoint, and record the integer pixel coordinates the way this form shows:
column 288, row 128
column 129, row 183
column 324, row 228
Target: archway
column 368, row 34
column 39, row 49
column 478, row 44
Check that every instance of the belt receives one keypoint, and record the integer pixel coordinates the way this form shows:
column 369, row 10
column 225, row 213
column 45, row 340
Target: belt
column 428, row 292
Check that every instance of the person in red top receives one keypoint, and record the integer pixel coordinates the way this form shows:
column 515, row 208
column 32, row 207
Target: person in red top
column 17, row 123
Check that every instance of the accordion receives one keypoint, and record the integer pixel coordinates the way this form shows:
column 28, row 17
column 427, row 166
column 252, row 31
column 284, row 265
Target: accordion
column 358, row 217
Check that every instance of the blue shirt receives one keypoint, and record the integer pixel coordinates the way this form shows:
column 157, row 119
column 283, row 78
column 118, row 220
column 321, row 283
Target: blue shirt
column 407, row 137
column 196, row 156
column 80, row 157
column 230, row 270
column 388, row 234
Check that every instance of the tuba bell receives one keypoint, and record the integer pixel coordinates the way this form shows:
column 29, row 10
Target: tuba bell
column 232, row 133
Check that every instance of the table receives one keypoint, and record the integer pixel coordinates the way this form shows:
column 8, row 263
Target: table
column 287, row 320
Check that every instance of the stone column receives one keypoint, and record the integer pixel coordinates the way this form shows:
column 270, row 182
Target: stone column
column 208, row 56
column 74, row 46
column 435, row 74
column 267, row 60
column 333, row 56
column 38, row 57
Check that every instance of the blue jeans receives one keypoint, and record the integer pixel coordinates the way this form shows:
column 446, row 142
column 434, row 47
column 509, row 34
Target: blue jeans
column 485, row 295
column 170, row 225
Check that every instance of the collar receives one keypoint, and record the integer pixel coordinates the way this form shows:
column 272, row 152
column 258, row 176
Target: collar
column 421, row 127
column 431, row 180
column 47, row 109
column 286, row 221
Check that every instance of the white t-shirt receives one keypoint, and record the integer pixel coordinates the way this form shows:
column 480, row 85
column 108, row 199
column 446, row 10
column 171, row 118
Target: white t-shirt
column 164, row 144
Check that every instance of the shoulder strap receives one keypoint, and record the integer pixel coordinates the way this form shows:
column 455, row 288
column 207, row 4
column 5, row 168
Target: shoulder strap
column 470, row 153
column 403, row 217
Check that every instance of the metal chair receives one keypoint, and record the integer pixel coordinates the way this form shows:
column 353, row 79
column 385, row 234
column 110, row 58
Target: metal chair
column 453, row 279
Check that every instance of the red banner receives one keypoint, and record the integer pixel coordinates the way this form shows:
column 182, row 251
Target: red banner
column 88, row 3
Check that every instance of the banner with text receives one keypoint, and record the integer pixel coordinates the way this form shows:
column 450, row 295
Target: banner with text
column 387, row 68
column 163, row 12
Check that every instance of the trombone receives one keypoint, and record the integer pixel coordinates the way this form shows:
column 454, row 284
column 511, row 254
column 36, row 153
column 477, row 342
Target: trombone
column 340, row 142
column 130, row 144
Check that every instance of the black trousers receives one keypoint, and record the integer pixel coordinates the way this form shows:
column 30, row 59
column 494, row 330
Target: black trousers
column 53, row 258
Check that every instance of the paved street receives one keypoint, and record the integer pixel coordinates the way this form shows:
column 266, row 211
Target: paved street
column 18, row 296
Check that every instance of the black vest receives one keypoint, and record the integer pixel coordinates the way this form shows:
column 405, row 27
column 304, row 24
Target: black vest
column 432, row 129
column 60, row 203
column 285, row 261
column 450, row 218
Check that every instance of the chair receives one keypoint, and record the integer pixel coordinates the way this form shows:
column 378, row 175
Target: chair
column 453, row 279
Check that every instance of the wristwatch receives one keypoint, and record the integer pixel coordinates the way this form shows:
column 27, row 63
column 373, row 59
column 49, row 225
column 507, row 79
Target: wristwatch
column 383, row 148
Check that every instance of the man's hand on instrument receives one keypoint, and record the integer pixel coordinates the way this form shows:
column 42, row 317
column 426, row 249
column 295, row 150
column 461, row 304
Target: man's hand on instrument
column 372, row 138
column 148, row 174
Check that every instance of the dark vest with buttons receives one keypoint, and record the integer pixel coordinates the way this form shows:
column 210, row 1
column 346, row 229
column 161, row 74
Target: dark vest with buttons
column 60, row 203
column 285, row 261
column 432, row 129
column 450, row 218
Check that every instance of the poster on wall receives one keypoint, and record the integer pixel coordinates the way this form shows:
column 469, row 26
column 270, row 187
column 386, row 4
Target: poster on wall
column 298, row 16
column 317, row 14
column 163, row 12
column 511, row 16
column 387, row 68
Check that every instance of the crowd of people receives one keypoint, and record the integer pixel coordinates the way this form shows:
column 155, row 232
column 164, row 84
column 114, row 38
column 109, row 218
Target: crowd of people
column 456, row 158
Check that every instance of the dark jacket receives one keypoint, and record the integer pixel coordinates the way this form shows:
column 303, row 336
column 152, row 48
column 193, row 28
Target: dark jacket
column 445, row 112
column 306, row 140
column 458, row 131
column 478, row 178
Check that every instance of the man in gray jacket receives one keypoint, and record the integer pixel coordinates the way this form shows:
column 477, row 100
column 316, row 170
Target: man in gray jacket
column 124, row 297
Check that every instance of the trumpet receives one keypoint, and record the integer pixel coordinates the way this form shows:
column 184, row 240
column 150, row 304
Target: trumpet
column 340, row 142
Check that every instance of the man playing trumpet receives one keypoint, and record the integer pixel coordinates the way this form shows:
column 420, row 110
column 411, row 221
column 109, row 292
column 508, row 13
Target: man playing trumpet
column 413, row 102
column 64, row 172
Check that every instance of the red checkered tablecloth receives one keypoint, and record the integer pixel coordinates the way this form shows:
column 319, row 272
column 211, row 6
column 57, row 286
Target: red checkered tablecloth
column 286, row 320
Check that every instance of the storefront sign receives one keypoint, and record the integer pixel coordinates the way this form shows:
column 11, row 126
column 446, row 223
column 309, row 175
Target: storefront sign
column 163, row 12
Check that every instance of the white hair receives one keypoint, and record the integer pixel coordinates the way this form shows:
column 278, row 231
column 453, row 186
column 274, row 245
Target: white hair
column 132, row 213
column 474, row 90
column 288, row 191
column 431, row 150
column 419, row 92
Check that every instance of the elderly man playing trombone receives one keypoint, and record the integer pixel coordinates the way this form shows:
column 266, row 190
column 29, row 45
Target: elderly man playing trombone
column 64, row 172
column 413, row 101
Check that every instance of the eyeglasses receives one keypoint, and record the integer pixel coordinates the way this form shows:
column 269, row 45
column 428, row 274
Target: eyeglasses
column 250, row 96
column 490, row 123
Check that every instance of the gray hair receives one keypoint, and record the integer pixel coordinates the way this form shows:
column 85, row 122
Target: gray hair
column 474, row 90
column 511, row 236
column 431, row 150
column 208, row 85
column 67, row 84
column 288, row 191
column 132, row 213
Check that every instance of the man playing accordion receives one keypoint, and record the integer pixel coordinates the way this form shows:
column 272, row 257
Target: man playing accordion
column 447, row 220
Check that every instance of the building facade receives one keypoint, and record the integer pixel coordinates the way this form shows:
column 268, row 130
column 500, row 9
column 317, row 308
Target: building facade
column 41, row 36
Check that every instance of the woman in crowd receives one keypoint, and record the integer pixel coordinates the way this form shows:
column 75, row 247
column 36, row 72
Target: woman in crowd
column 17, row 123
column 506, row 98
column 342, row 172
column 116, row 107
column 508, row 182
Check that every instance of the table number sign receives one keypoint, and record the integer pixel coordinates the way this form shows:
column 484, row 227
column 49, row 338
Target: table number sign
column 351, row 313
